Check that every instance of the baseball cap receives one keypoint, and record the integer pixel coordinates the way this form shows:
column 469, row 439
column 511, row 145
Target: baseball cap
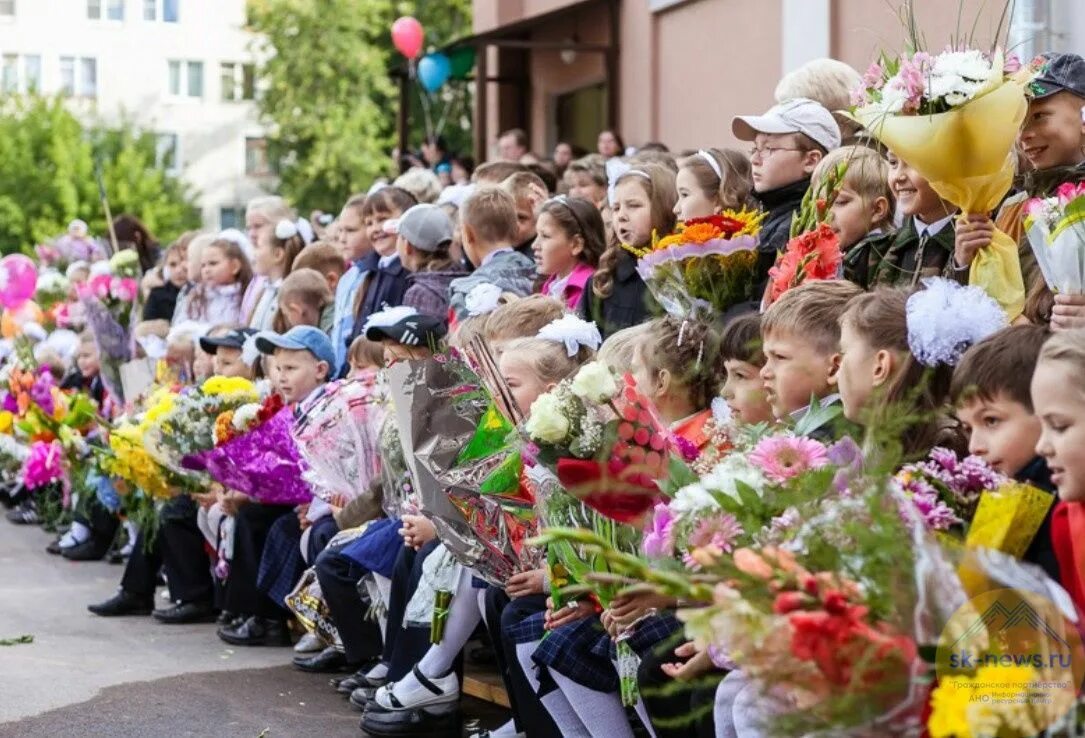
column 800, row 115
column 424, row 226
column 1060, row 72
column 298, row 338
column 234, row 339
column 405, row 326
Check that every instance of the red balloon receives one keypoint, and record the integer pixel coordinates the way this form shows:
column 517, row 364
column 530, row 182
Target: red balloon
column 407, row 36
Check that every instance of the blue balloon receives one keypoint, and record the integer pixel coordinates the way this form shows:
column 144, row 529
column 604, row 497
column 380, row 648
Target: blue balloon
column 433, row 71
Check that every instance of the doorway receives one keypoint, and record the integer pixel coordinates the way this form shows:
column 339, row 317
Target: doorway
column 580, row 115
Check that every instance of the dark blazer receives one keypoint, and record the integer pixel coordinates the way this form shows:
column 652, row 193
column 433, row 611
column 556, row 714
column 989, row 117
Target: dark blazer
column 384, row 287
column 629, row 303
column 1041, row 551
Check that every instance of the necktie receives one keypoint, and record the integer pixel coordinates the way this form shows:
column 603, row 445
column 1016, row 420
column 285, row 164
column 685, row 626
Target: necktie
column 919, row 254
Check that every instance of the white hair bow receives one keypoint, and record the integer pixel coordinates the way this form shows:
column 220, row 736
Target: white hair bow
column 305, row 228
column 574, row 332
column 945, row 319
column 154, row 346
column 285, row 229
column 233, row 235
column 616, row 169
column 249, row 352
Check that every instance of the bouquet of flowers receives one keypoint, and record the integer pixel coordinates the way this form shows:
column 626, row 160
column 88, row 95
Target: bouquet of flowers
column 1055, row 233
column 44, row 465
column 75, row 245
column 183, row 424
column 705, row 267
column 954, row 116
column 13, row 455
column 109, row 298
column 604, row 442
column 338, row 438
column 52, row 288
column 232, row 423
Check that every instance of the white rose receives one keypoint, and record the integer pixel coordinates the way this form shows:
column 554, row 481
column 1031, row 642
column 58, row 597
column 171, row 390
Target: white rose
column 595, row 383
column 728, row 473
column 692, row 498
column 546, row 422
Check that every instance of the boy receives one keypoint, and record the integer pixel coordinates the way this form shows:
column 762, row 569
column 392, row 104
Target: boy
column 488, row 221
column 990, row 390
column 529, row 192
column 227, row 351
column 800, row 336
column 326, row 259
column 924, row 245
column 789, row 141
column 304, row 358
column 425, row 236
column 352, row 240
column 304, row 299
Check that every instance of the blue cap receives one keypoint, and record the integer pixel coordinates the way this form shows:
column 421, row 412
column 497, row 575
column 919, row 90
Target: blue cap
column 1059, row 73
column 298, row 338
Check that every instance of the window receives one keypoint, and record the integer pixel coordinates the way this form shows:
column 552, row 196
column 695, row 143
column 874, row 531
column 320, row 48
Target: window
column 238, row 81
column 7, row 8
column 115, row 10
column 256, row 160
column 67, row 76
column 9, row 73
column 32, row 72
column 166, row 10
column 175, row 77
column 94, row 9
column 166, row 153
column 88, row 78
column 170, row 10
column 105, row 10
column 195, row 79
column 231, row 218
column 150, row 10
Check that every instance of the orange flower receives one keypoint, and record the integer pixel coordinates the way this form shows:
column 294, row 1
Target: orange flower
column 700, row 233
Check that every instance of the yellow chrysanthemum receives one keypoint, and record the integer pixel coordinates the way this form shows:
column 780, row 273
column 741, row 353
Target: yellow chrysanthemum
column 229, row 386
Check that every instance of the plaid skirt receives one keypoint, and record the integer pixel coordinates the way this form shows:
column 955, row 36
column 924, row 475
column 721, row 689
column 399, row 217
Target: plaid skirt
column 571, row 650
column 528, row 630
column 647, row 634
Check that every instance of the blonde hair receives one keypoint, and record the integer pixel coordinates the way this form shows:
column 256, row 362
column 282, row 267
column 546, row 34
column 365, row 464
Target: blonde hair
column 1069, row 347
column 734, row 189
column 549, row 360
column 654, row 156
column 272, row 207
column 366, row 352
column 491, row 212
column 522, row 318
column 812, row 311
column 519, row 184
column 321, row 256
column 308, row 286
column 826, row 81
column 592, row 165
column 422, row 183
column 618, row 350
column 867, row 174
column 195, row 249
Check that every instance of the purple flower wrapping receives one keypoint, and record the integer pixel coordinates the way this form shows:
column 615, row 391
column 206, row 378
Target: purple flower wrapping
column 263, row 463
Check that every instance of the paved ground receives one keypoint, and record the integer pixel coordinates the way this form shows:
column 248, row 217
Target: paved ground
column 118, row 677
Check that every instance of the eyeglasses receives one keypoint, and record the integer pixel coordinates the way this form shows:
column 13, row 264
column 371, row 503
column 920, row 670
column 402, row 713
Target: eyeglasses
column 766, row 152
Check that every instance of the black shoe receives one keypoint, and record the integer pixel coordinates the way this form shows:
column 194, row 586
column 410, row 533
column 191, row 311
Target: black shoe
column 24, row 514
column 358, row 680
column 54, row 548
column 361, row 697
column 86, row 551
column 116, row 557
column 123, row 603
column 186, row 612
column 229, row 618
column 256, row 632
column 328, row 660
column 434, row 721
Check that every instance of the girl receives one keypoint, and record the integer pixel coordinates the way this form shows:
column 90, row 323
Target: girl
column 609, row 144
column 712, row 181
column 386, row 283
column 365, row 357
column 586, row 178
column 880, row 380
column 644, row 199
column 225, row 273
column 568, row 243
column 261, row 215
column 743, row 390
column 162, row 298
column 273, row 258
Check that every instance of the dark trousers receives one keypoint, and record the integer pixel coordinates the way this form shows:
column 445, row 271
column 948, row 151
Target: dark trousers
column 178, row 546
column 338, row 577
column 102, row 523
column 407, row 646
column 251, row 527
column 676, row 713
column 502, row 612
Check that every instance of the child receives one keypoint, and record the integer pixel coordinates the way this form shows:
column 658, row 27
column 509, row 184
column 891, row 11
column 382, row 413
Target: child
column 303, row 360
column 615, row 296
column 224, row 275
column 304, row 299
column 570, row 239
column 862, row 213
column 990, row 391
column 789, row 140
column 273, row 258
column 387, row 280
column 529, row 192
column 518, row 319
column 326, row 259
column 742, row 357
column 364, row 356
column 586, row 178
column 422, row 183
column 712, row 181
column 880, row 381
column 800, row 336
column 488, row 221
column 356, row 250
column 1058, row 399
column 162, row 299
column 923, row 247
column 424, row 237
column 225, row 345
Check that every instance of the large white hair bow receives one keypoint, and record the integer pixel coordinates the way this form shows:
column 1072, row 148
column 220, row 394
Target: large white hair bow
column 945, row 319
column 574, row 332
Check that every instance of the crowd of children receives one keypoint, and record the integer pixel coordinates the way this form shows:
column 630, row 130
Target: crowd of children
column 547, row 277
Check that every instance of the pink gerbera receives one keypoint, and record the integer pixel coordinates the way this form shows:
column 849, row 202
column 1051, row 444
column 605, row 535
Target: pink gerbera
column 784, row 457
column 719, row 531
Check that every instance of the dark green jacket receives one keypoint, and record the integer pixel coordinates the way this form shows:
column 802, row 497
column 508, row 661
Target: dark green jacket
column 891, row 258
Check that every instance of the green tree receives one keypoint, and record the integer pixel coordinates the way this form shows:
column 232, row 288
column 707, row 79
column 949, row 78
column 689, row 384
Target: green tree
column 330, row 100
column 47, row 175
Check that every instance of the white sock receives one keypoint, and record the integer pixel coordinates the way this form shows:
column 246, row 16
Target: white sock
column 508, row 730
column 601, row 712
column 529, row 667
column 133, row 531
column 380, row 671
column 723, row 713
column 463, row 616
column 569, row 725
column 77, row 534
column 482, row 605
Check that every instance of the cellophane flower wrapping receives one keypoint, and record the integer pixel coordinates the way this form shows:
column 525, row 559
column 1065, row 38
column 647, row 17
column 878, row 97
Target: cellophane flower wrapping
column 263, row 463
column 182, row 424
column 338, row 438
column 706, row 267
column 464, row 459
column 955, row 117
column 1056, row 233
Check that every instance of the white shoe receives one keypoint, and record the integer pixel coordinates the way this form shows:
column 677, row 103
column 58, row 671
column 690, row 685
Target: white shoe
column 417, row 690
column 309, row 643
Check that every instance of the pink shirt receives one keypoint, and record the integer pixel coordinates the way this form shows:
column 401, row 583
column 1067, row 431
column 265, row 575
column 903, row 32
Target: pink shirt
column 573, row 288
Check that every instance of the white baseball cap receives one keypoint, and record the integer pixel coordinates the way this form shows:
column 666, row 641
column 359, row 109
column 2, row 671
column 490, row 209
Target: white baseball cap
column 799, row 115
